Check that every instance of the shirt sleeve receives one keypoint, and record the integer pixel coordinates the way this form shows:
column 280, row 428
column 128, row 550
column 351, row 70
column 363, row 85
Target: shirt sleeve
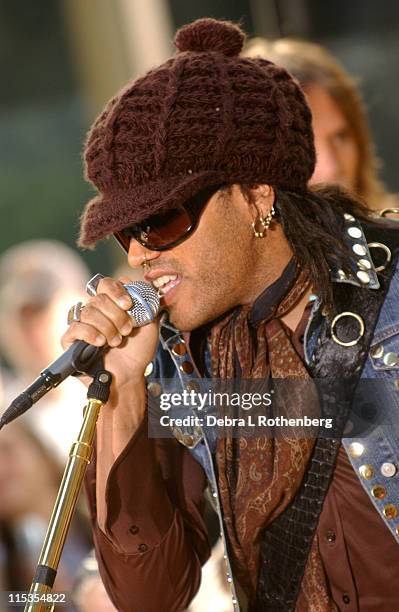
column 155, row 538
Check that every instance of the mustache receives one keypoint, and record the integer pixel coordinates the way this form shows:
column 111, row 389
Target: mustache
column 164, row 265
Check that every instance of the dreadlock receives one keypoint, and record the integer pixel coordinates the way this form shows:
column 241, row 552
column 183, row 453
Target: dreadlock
column 313, row 223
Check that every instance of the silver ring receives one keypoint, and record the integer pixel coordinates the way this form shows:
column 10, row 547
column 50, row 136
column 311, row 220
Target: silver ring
column 387, row 250
column 91, row 286
column 74, row 313
column 355, row 316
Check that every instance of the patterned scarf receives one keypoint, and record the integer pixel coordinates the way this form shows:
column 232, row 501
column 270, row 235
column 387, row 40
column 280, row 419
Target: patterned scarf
column 259, row 475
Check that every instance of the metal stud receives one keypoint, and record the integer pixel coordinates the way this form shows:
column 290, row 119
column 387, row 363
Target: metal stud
column 366, row 471
column 364, row 263
column 179, row 349
column 217, row 109
column 188, row 440
column 388, row 470
column 359, row 249
column 363, row 276
column 178, row 434
column 391, row 359
column 377, row 351
column 397, row 530
column 390, row 511
column 354, row 232
column 349, row 217
column 356, row 449
column 187, row 367
column 149, row 369
column 342, row 275
column 154, row 388
column 378, row 492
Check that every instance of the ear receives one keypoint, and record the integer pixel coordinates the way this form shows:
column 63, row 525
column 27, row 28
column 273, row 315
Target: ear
column 263, row 197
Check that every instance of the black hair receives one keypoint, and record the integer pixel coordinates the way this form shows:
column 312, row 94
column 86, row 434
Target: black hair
column 313, row 223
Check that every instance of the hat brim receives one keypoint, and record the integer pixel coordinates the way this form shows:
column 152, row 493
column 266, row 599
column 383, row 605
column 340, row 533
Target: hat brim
column 112, row 211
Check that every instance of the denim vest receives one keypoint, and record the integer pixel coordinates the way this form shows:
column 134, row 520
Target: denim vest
column 372, row 432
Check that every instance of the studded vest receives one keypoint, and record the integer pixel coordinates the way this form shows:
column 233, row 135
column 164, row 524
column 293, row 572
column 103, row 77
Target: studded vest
column 371, row 445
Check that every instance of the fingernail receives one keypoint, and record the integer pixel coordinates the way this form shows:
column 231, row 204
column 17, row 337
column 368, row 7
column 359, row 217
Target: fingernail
column 125, row 302
column 100, row 339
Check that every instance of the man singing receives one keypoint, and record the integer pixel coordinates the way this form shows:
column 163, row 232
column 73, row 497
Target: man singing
column 201, row 168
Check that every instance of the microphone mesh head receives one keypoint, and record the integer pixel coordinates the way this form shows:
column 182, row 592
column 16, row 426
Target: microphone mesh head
column 145, row 302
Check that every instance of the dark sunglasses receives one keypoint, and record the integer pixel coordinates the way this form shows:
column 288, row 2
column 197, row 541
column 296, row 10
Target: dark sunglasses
column 167, row 229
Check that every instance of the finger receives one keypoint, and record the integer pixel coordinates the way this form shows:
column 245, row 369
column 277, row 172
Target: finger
column 82, row 331
column 108, row 318
column 116, row 291
column 125, row 280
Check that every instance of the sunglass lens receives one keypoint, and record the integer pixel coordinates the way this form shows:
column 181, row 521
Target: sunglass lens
column 165, row 228
column 124, row 239
column 158, row 231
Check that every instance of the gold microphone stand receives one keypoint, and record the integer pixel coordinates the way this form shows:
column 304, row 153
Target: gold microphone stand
column 40, row 598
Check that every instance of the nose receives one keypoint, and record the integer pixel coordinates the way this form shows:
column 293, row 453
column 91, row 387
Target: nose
column 138, row 254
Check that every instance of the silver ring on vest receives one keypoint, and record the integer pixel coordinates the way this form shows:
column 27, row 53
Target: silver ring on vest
column 339, row 316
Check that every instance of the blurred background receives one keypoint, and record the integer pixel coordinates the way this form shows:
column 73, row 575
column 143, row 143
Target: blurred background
column 61, row 60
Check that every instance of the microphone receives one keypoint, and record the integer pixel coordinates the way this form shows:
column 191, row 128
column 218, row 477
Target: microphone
column 81, row 355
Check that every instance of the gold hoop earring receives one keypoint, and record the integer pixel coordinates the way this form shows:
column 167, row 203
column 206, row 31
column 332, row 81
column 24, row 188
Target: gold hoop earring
column 264, row 222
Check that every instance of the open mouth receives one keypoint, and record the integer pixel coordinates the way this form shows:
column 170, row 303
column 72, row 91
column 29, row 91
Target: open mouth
column 165, row 283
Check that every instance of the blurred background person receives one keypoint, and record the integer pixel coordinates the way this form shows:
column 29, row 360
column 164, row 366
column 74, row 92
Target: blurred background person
column 344, row 147
column 39, row 280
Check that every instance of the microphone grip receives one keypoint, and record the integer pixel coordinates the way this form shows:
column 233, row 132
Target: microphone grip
column 77, row 358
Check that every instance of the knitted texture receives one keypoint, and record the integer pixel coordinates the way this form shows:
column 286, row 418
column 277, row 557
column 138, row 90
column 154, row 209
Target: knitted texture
column 205, row 116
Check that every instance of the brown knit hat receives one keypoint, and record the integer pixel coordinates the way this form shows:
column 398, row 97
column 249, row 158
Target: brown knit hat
column 204, row 117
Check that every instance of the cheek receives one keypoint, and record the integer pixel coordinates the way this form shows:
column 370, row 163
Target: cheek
column 215, row 271
column 228, row 268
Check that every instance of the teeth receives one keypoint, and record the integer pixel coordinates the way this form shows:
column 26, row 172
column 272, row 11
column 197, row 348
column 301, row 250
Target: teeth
column 163, row 280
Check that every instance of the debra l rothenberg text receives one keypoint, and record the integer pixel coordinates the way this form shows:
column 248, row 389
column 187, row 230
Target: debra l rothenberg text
column 247, row 421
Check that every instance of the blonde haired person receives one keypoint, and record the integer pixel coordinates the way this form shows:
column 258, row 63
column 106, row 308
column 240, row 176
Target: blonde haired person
column 345, row 150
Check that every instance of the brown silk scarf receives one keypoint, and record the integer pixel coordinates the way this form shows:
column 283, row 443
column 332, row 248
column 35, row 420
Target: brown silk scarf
column 259, row 475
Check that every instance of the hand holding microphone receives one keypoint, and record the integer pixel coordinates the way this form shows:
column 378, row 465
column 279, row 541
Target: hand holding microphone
column 115, row 310
column 110, row 318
